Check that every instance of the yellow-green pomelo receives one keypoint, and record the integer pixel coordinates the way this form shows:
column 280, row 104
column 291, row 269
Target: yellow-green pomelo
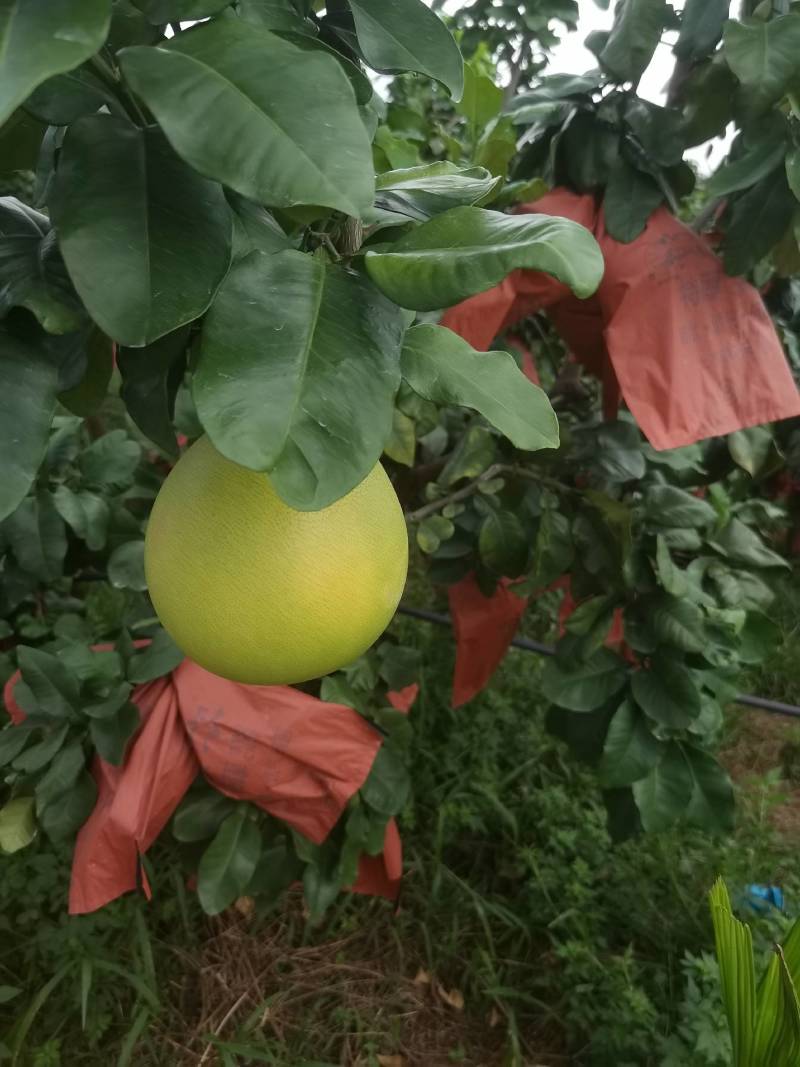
column 257, row 592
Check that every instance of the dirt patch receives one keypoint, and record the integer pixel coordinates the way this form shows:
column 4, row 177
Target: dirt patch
column 763, row 757
column 354, row 1001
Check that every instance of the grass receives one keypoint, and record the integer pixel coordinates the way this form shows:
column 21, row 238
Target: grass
column 523, row 937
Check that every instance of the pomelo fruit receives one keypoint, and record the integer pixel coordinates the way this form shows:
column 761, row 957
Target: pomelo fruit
column 257, row 592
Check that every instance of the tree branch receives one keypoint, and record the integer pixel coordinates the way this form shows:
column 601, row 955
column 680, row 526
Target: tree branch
column 488, row 474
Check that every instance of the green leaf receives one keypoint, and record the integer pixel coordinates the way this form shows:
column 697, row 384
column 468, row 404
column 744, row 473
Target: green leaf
column 227, row 865
column 8, row 992
column 160, row 11
column 630, row 198
column 584, row 686
column 61, row 100
column 111, row 460
column 297, row 374
column 146, row 240
column 277, row 869
column 764, row 56
column 676, row 622
column 232, row 99
column 445, row 369
column 701, row 27
column 359, row 82
column 321, row 886
column 665, row 505
column 630, row 751
column 402, row 443
column 110, row 704
column 39, row 40
column 13, row 739
column 65, row 817
column 759, row 218
column 17, row 830
column 793, row 171
column 20, row 140
column 60, row 776
column 475, row 451
column 750, row 448
column 126, row 566
column 85, row 398
column 481, row 99
column 554, row 549
column 503, row 544
column 633, row 39
column 36, row 535
column 160, row 657
column 199, row 816
column 255, row 228
column 280, row 15
column 40, row 754
column 759, row 637
column 150, row 380
column 711, row 805
column 53, row 687
column 32, row 274
column 421, row 192
column 663, row 796
column 86, row 513
column 672, row 578
column 759, row 160
column 432, row 531
column 737, row 973
column 406, row 35
column 743, row 545
column 666, row 691
column 388, row 785
column 111, row 734
column 467, row 250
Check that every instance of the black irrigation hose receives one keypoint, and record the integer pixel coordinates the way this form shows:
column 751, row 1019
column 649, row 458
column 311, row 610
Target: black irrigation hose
column 775, row 707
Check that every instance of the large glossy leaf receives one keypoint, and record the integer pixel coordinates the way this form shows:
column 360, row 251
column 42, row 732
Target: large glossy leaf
column 503, row 544
column 65, row 816
column 743, row 545
column 711, row 804
column 20, row 140
column 481, row 99
column 53, row 686
column 584, row 686
column 666, row 692
column 111, row 734
column 764, row 56
column 36, row 535
column 160, row 657
column 388, row 785
column 150, row 379
column 160, row 11
column 32, row 274
column 86, row 513
column 666, row 505
column 233, row 100
column 676, row 622
column 65, row 98
column 198, row 817
column 467, row 250
column 38, row 40
column 630, row 751
column 28, row 384
column 274, row 15
column 760, row 159
column 298, row 369
column 759, row 218
column 701, row 27
column 228, row 863
column 146, row 240
column 445, row 369
column 399, row 35
column 421, row 192
column 633, row 39
column 631, row 197
column 663, row 796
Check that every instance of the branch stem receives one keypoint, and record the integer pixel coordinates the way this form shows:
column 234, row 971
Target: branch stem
column 473, row 486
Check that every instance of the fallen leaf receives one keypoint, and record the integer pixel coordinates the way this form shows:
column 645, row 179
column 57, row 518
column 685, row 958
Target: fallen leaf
column 422, row 978
column 245, row 906
column 392, row 1061
column 495, row 1017
column 453, row 997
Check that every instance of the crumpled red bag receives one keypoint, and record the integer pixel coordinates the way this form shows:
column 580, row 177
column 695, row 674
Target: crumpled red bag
column 294, row 756
column 691, row 349
column 484, row 628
